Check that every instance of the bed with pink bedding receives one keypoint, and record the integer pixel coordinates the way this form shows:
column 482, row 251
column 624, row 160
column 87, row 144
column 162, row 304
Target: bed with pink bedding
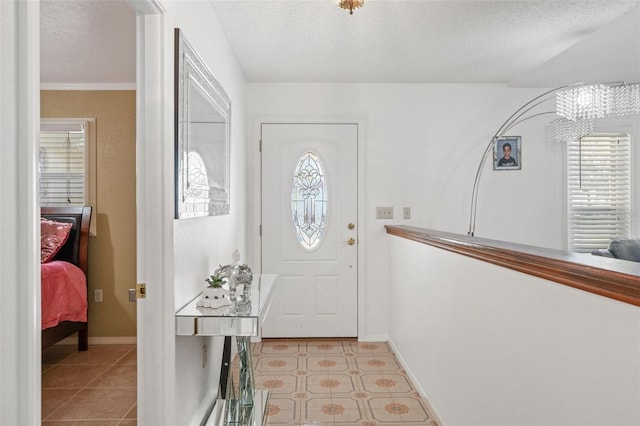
column 64, row 271
column 64, row 293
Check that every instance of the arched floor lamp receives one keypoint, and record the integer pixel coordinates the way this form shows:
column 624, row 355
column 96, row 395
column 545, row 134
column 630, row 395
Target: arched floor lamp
column 578, row 105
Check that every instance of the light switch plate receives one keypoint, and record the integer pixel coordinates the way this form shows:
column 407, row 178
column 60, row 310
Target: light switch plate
column 384, row 212
column 406, row 212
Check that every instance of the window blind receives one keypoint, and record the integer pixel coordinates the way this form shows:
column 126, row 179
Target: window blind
column 598, row 190
column 62, row 165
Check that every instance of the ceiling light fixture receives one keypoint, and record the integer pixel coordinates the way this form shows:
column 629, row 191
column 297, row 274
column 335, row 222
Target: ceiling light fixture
column 350, row 5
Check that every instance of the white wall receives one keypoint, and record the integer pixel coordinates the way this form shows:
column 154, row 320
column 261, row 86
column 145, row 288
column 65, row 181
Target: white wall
column 422, row 145
column 201, row 244
column 491, row 346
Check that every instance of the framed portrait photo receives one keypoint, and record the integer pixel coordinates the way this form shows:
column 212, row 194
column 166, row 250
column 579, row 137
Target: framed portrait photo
column 507, row 153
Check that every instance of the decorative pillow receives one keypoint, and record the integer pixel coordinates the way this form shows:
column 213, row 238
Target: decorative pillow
column 53, row 235
column 626, row 248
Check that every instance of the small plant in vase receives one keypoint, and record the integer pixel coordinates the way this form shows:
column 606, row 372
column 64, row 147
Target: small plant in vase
column 214, row 296
column 215, row 280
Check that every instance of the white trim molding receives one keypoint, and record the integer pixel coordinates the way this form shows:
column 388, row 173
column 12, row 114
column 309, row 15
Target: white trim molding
column 254, row 218
column 101, row 341
column 20, row 364
column 154, row 180
column 88, row 86
column 418, row 386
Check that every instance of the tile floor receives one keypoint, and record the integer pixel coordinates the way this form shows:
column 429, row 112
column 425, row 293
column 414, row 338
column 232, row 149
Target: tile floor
column 96, row 387
column 312, row 382
column 336, row 382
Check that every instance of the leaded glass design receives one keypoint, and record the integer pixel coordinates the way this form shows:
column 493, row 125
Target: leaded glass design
column 309, row 200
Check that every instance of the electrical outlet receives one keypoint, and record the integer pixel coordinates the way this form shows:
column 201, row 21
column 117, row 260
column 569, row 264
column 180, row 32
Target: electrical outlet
column 97, row 295
column 406, row 212
column 384, row 212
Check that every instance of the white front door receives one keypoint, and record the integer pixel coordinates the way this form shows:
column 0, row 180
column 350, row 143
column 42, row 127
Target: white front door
column 310, row 229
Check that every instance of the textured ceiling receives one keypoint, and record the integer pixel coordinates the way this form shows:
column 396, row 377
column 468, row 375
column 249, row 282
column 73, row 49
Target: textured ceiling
column 525, row 43
column 87, row 41
column 453, row 41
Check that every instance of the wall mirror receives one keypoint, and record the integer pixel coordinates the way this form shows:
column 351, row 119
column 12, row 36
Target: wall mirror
column 202, row 123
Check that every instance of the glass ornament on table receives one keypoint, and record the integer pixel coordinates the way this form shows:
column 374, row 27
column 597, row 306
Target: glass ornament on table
column 239, row 278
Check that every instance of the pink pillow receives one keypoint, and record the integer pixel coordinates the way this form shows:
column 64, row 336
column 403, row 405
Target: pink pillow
column 53, row 235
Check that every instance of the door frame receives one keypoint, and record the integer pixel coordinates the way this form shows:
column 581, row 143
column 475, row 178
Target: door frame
column 154, row 216
column 20, row 369
column 255, row 194
column 20, row 366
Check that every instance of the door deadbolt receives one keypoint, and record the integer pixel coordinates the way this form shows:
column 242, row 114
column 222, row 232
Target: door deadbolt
column 351, row 226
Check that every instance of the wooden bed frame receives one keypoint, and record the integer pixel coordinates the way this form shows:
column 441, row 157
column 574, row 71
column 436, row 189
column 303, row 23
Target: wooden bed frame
column 76, row 251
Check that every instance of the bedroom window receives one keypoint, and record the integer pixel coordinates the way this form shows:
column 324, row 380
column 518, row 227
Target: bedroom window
column 67, row 163
column 598, row 190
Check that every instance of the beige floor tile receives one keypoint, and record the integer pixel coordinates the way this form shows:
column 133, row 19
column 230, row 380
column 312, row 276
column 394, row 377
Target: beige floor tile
column 327, row 363
column 54, row 398
column 329, row 406
column 99, row 355
column 335, row 383
column 99, row 404
column 315, row 383
column 278, row 384
column 279, row 347
column 325, row 348
column 370, row 348
column 335, row 413
column 130, row 358
column 118, row 376
column 401, row 410
column 71, row 376
column 128, row 422
column 396, row 383
column 361, row 384
column 277, row 364
column 374, row 383
column 377, row 363
column 282, row 411
column 385, row 383
column 133, row 413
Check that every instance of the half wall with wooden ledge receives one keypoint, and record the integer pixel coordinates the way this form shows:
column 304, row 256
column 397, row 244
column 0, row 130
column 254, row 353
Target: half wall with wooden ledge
column 501, row 333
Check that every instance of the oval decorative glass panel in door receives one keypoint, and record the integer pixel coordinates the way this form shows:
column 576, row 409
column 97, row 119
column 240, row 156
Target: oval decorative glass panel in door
column 309, row 200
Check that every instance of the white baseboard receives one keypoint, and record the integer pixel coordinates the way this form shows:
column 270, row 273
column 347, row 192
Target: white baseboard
column 417, row 384
column 122, row 340
column 87, row 86
column 373, row 339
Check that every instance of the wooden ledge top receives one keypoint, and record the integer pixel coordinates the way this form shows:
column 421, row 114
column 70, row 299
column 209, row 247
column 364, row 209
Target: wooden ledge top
column 616, row 279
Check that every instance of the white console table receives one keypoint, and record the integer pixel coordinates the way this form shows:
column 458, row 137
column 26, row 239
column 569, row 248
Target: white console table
column 241, row 320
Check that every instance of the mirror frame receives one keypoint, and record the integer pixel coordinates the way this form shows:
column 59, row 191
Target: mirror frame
column 190, row 69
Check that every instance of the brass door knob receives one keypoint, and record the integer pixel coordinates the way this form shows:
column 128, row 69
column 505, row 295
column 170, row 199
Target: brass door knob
column 351, row 241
